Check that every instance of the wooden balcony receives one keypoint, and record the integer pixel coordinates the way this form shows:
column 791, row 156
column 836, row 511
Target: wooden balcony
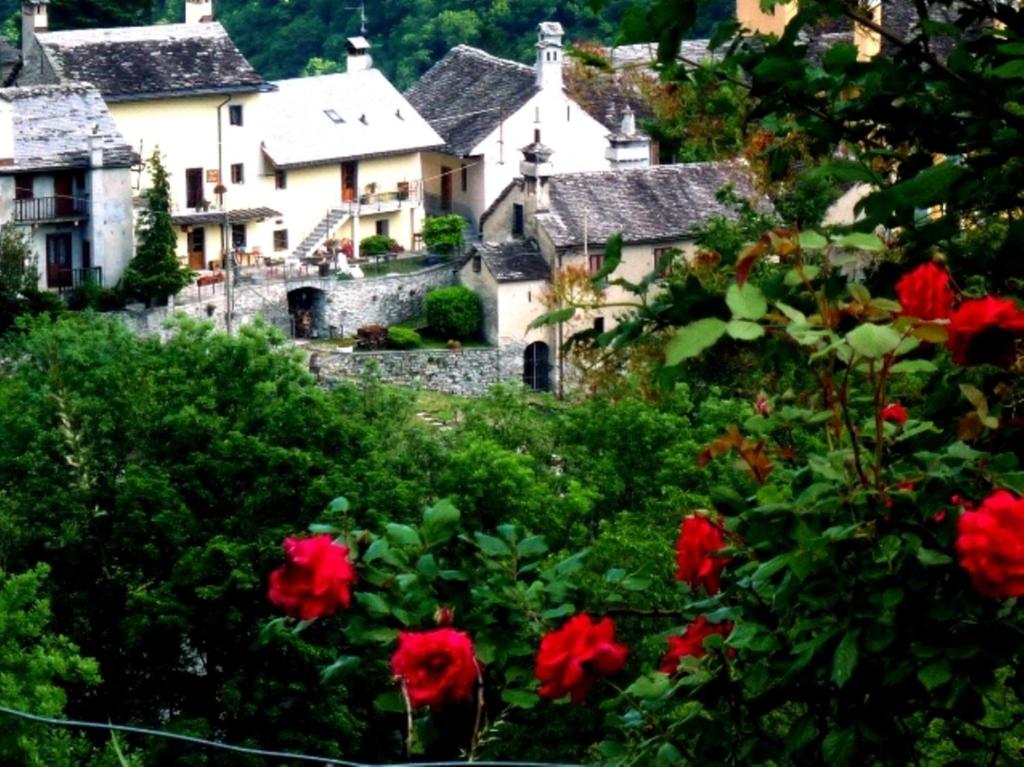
column 44, row 209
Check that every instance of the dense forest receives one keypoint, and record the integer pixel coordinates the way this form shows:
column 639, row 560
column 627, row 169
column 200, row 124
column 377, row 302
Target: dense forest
column 285, row 39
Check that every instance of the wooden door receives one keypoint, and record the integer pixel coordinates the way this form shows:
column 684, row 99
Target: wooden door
column 446, row 189
column 58, row 261
column 197, row 248
column 349, row 181
column 193, row 187
column 64, row 192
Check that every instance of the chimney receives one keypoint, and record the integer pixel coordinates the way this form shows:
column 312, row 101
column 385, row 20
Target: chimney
column 95, row 148
column 549, row 56
column 359, row 58
column 628, row 148
column 35, row 17
column 6, row 132
column 198, row 11
column 536, row 168
column 753, row 19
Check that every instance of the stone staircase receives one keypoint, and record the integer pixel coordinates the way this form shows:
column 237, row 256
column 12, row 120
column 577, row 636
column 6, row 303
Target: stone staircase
column 329, row 224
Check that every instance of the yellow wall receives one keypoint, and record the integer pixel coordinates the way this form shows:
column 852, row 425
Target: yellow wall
column 751, row 17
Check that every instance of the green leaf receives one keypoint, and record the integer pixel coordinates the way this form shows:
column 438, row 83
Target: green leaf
column 651, row 686
column 668, row 755
column 612, row 258
column 935, row 674
column 839, row 746
column 533, row 546
column 1012, row 480
column 810, row 240
column 690, row 340
column 341, row 666
column 374, row 605
column 377, row 550
column 427, row 567
column 845, row 659
column 440, row 522
column 391, row 702
column 931, row 558
column 911, row 367
column 559, row 612
column 742, row 330
column 873, row 341
column 554, row 317
column 1011, row 70
column 636, row 584
column 520, row 698
column 746, row 302
column 321, row 529
column 404, row 535
column 794, row 315
column 494, row 547
column 339, row 505
column 861, row 241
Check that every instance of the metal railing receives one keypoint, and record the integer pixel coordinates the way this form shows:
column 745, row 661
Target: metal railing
column 69, row 279
column 376, row 202
column 50, row 208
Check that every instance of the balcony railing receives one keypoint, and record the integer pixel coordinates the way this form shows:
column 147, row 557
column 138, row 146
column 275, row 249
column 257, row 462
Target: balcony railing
column 69, row 279
column 383, row 202
column 50, row 208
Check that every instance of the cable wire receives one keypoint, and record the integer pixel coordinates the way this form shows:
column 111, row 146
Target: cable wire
column 251, row 751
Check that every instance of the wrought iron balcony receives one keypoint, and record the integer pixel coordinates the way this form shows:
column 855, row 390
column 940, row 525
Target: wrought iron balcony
column 57, row 208
column 69, row 279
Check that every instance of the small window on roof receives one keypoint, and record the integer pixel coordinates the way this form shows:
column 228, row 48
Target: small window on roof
column 335, row 117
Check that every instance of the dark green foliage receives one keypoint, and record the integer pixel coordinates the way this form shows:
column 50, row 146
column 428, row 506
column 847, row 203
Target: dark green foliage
column 371, row 337
column 444, row 234
column 377, row 245
column 403, row 338
column 453, row 312
column 155, row 272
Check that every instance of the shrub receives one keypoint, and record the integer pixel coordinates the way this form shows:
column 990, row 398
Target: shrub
column 453, row 312
column 403, row 338
column 372, row 337
column 444, row 234
column 377, row 245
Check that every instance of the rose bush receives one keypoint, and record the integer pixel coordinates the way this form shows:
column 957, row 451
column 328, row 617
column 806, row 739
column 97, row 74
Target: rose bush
column 435, row 667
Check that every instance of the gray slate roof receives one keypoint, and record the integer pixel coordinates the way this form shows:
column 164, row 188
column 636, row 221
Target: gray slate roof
column 52, row 125
column 659, row 204
column 514, row 261
column 10, row 59
column 135, row 63
column 468, row 93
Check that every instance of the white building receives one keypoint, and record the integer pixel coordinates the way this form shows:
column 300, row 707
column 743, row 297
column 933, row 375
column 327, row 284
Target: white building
column 65, row 180
column 486, row 108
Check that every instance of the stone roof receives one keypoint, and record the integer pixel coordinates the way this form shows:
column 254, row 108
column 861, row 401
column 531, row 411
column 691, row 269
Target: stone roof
column 659, row 204
column 237, row 216
column 468, row 93
column 159, row 61
column 52, row 126
column 10, row 59
column 316, row 120
column 514, row 261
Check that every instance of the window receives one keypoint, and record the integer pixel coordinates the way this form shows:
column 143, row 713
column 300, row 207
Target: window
column 280, row 179
column 536, row 135
column 333, row 116
column 280, row 239
column 193, row 187
column 517, row 220
column 237, row 173
column 403, row 190
column 235, row 114
column 465, row 178
column 383, row 229
column 23, row 187
column 595, row 262
column 477, row 263
column 598, row 324
column 663, row 270
column 238, row 239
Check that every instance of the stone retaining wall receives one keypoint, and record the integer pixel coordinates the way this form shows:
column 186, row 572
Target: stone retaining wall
column 467, row 372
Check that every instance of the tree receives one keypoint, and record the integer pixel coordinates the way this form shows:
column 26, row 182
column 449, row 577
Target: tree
column 17, row 272
column 155, row 272
column 444, row 234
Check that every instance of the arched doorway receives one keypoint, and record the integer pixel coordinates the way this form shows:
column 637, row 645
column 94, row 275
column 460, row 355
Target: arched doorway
column 537, row 366
column 307, row 307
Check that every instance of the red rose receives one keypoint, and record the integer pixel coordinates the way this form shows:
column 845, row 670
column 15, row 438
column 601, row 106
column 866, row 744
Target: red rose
column 990, row 542
column 925, row 293
column 895, row 412
column 984, row 330
column 315, row 579
column 572, row 658
column 691, row 642
column 436, row 666
column 699, row 539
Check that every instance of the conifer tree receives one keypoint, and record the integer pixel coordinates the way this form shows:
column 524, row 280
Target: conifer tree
column 155, row 273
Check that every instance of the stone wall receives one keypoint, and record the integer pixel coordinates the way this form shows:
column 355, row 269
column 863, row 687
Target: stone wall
column 347, row 305
column 467, row 372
